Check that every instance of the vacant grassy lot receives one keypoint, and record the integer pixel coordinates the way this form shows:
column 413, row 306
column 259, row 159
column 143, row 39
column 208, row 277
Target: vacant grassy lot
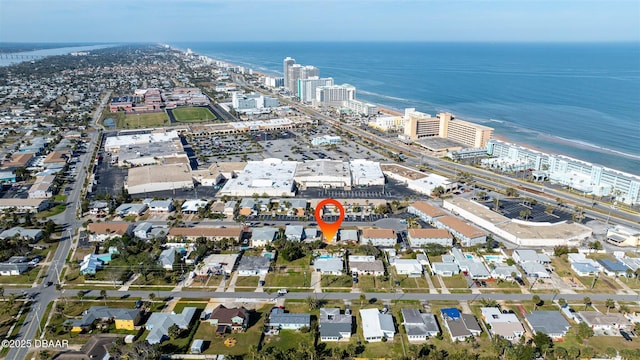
column 193, row 114
column 134, row 121
column 336, row 281
column 456, row 281
column 247, row 281
column 290, row 278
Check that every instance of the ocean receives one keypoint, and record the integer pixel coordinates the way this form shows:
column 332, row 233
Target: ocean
column 581, row 100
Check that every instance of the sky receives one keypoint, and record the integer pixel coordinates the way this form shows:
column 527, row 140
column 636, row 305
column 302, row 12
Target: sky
column 319, row 20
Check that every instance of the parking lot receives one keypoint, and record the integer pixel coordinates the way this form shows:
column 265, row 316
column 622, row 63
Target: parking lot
column 208, row 149
column 512, row 208
column 14, row 191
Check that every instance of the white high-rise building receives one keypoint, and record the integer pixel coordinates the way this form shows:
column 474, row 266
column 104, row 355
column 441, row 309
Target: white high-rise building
column 287, row 63
column 307, row 87
column 335, row 95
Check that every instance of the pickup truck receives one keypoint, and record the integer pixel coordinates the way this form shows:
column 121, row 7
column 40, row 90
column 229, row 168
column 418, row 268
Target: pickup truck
column 282, row 292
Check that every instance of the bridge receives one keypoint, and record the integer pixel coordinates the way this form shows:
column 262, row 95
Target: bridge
column 20, row 57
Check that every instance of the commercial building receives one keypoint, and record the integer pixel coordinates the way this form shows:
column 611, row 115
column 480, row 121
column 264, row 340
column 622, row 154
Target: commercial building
column 252, row 101
column 273, row 177
column 623, row 236
column 113, row 144
column 334, row 95
column 366, row 173
column 523, row 233
column 580, row 175
column 323, row 174
column 326, row 140
column 425, row 211
column 294, row 72
column 466, row 234
column 159, row 178
column 288, row 62
column 419, row 125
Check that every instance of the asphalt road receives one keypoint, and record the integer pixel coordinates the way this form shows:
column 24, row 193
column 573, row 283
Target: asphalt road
column 68, row 218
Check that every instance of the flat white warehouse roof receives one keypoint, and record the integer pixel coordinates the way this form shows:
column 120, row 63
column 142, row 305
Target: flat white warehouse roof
column 117, row 141
column 271, row 176
column 365, row 172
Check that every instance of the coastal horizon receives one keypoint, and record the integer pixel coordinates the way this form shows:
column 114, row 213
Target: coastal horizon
column 549, row 142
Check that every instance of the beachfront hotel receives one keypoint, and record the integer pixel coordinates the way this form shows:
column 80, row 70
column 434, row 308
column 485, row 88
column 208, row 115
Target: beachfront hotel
column 577, row 174
column 420, row 125
column 294, row 72
column 307, row 87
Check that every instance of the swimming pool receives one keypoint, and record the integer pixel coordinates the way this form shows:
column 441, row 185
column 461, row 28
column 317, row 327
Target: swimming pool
column 469, row 256
column 325, row 257
column 494, row 258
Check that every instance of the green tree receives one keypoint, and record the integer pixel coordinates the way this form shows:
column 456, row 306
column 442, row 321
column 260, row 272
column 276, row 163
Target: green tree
column 312, row 302
column 543, row 342
column 587, row 302
column 103, row 295
column 174, row 331
column 81, row 295
column 438, row 191
column 363, row 298
column 562, row 302
column 584, row 331
column 610, row 304
column 560, row 353
column 536, row 301
column 511, row 192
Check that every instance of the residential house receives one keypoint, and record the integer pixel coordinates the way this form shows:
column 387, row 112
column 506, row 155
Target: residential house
column 248, row 207
column 124, row 319
column 329, row 265
column 10, row 268
column 445, row 268
column 523, row 256
column 229, row 320
column 460, row 326
column 262, row 236
column 376, row 325
column 504, row 272
column 421, row 237
column 31, row 235
column 99, row 208
column 191, row 234
column 613, row 268
column 419, row 326
column 534, row 269
column 551, row 323
column 312, row 234
column 281, row 320
column 7, row 177
column 410, row 267
column 193, row 206
column 294, row 232
column 503, row 324
column 425, row 211
column 159, row 324
column 473, row 266
column 167, row 258
column 584, row 268
column 93, row 262
column 159, row 206
column 128, row 209
column 349, row 236
column 379, row 237
column 293, row 206
column 217, row 264
column 365, row 265
column 334, row 326
column 254, row 266
column 142, row 230
column 21, row 206
column 230, row 208
column 101, row 231
column 606, row 322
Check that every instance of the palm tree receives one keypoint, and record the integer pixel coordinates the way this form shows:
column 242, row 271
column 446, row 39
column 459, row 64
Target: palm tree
column 363, row 297
column 610, row 304
column 81, row 295
column 562, row 302
column 103, row 295
column 2, row 292
column 587, row 302
column 536, row 301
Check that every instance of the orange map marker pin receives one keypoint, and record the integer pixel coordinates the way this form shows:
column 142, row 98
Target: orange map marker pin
column 329, row 230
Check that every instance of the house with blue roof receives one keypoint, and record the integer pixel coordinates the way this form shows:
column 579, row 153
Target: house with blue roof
column 613, row 268
column 93, row 262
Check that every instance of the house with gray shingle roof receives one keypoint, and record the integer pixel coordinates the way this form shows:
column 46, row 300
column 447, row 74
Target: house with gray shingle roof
column 419, row 326
column 279, row 319
column 334, row 326
column 159, row 324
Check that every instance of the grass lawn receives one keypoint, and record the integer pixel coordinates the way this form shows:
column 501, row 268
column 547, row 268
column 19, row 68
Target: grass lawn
column 181, row 305
column 336, row 281
column 598, row 343
column 289, row 339
column 456, row 281
column 302, row 263
column 133, row 121
column 214, row 280
column 193, row 114
column 602, row 285
column 412, row 282
column 25, row 278
column 561, row 266
column 247, row 281
column 290, row 278
column 58, row 209
column 60, row 198
column 215, row 344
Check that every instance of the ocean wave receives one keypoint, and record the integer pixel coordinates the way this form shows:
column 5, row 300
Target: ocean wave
column 591, row 146
column 386, row 96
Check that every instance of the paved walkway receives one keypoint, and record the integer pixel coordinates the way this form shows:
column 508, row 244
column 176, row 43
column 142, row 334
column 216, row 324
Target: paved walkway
column 125, row 286
column 443, row 286
column 232, row 283
column 432, row 288
column 315, row 282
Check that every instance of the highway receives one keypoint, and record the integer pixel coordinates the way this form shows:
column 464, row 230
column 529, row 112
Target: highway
column 68, row 218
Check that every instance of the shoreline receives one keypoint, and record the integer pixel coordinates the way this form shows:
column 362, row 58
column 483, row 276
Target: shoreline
column 573, row 143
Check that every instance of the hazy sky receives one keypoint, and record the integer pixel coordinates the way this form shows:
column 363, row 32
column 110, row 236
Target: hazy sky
column 294, row 20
